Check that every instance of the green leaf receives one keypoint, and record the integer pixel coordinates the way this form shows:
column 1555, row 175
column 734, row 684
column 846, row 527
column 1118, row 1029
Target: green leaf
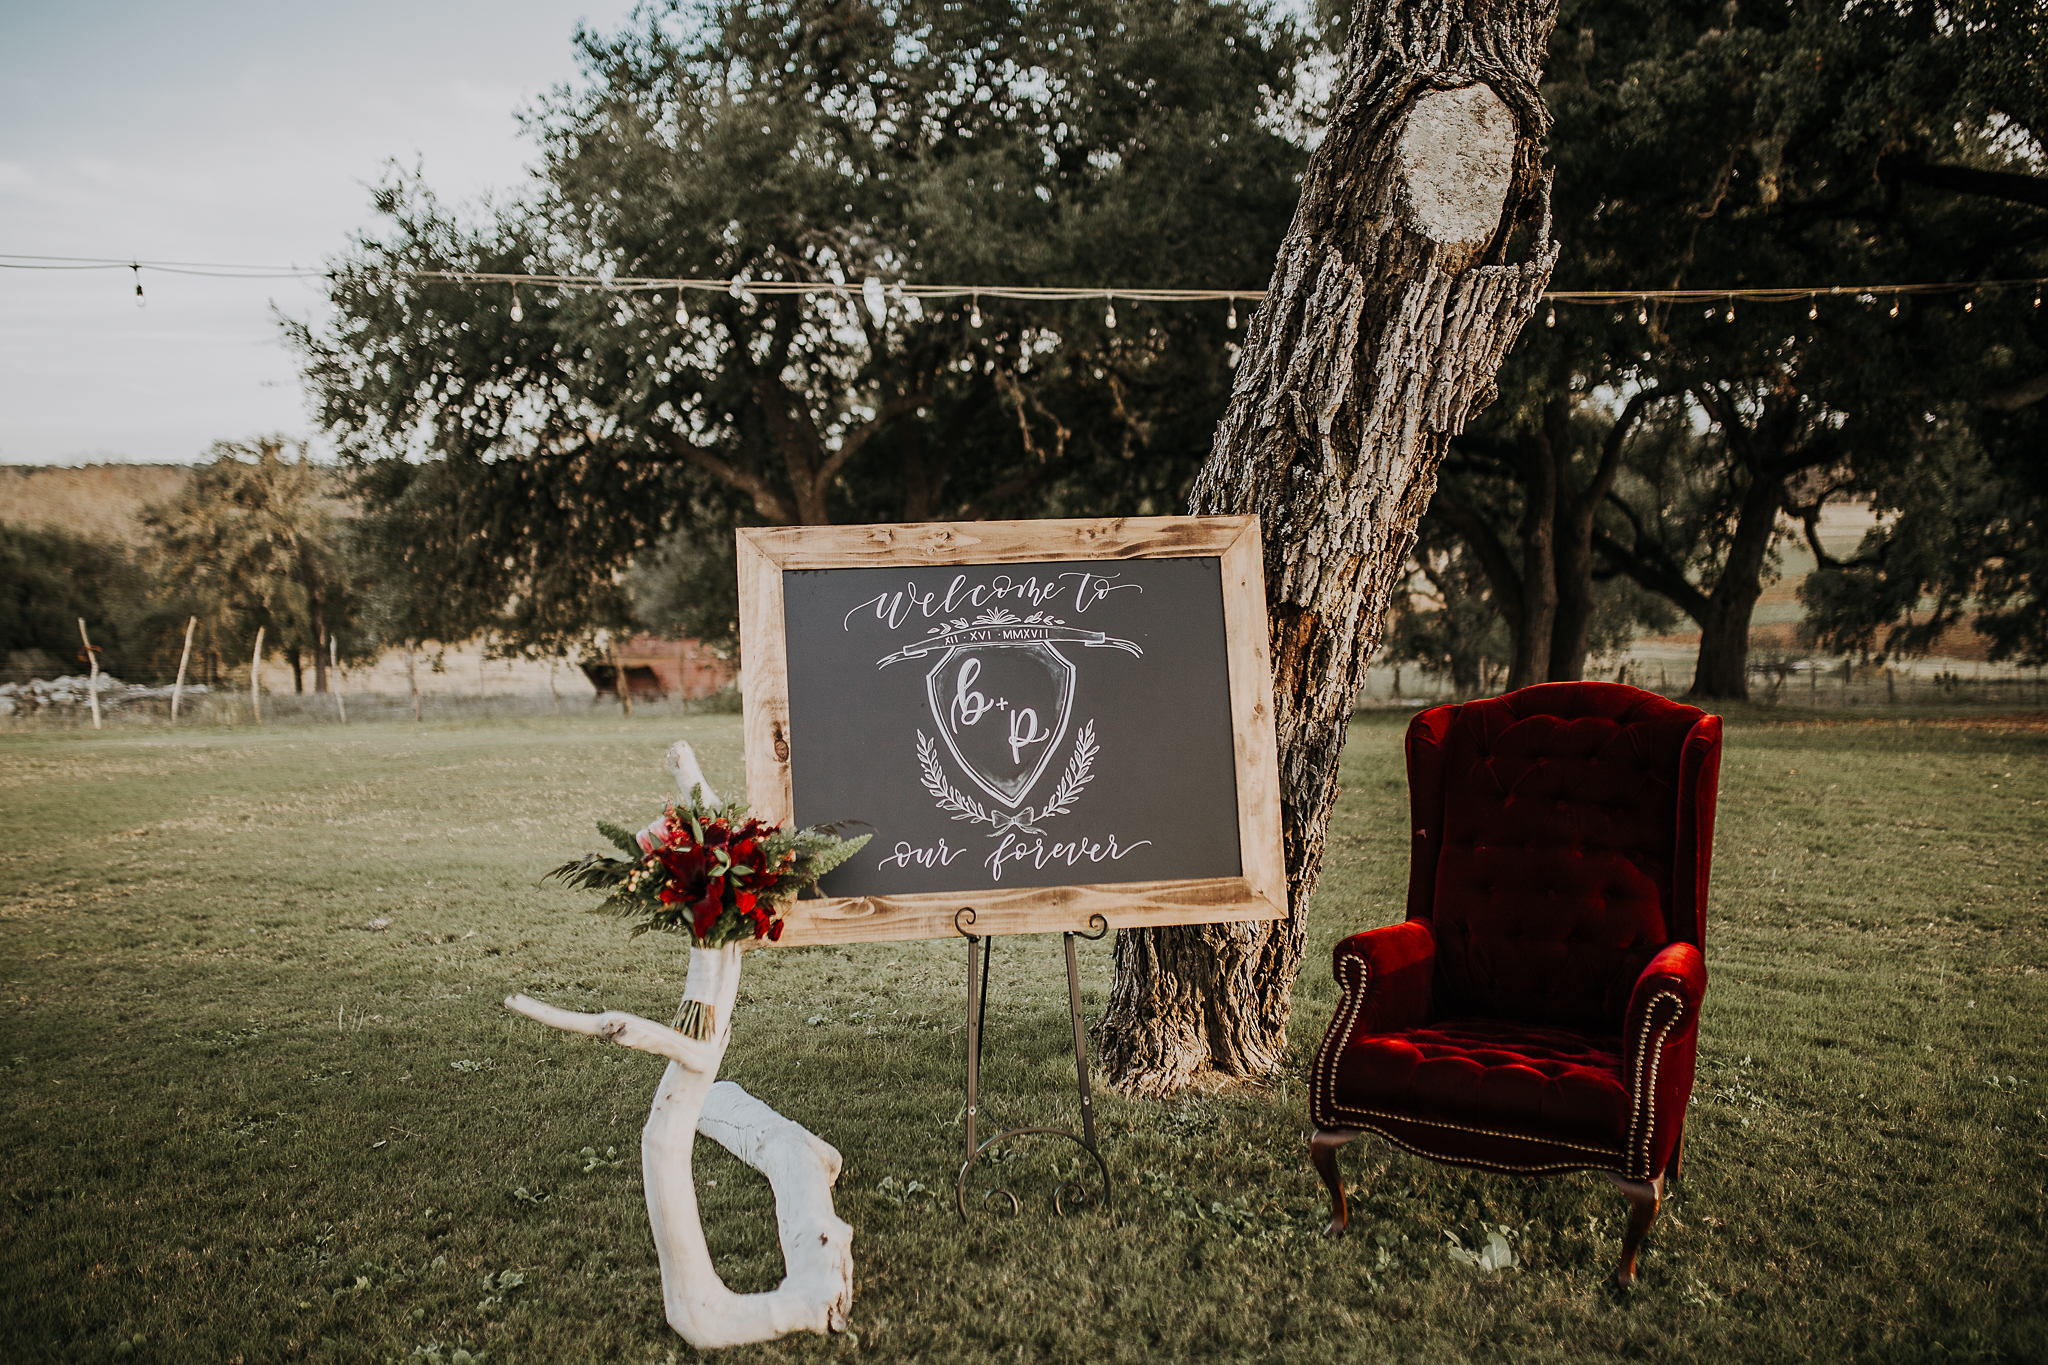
column 627, row 841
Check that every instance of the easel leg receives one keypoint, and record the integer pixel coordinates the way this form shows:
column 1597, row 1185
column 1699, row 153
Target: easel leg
column 979, row 953
column 1080, row 1044
column 977, row 1001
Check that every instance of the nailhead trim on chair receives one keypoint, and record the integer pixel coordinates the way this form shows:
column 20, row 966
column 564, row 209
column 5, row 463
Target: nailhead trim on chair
column 1324, row 1075
column 1551, row 1169
column 1645, row 1116
column 1607, row 1152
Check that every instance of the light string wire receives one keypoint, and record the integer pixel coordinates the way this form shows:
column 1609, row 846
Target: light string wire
column 630, row 284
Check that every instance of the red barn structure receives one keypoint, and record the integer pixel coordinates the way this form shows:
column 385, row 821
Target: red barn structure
column 657, row 668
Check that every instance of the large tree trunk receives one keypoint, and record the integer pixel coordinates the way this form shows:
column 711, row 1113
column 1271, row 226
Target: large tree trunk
column 1392, row 302
column 1577, row 508
column 1722, row 670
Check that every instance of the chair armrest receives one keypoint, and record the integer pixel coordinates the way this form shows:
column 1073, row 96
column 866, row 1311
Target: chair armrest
column 1659, row 1041
column 1386, row 976
column 1666, row 1000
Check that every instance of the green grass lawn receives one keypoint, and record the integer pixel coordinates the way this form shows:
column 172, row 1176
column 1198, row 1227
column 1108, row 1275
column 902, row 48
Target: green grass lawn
column 242, row 1125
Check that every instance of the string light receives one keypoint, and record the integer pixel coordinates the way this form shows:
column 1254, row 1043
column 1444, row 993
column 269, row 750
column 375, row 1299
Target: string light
column 746, row 291
column 518, row 314
column 682, row 312
column 1729, row 316
column 1109, row 311
column 1643, row 314
column 974, row 318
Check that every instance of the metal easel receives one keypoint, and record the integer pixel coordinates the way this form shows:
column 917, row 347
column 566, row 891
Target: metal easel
column 979, row 954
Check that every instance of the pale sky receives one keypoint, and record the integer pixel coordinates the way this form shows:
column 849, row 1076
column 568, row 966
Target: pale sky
column 235, row 132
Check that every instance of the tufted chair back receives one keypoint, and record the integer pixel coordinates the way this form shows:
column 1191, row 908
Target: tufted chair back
column 1562, row 835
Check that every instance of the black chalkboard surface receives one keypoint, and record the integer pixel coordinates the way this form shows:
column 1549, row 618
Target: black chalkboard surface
column 1047, row 725
column 1029, row 724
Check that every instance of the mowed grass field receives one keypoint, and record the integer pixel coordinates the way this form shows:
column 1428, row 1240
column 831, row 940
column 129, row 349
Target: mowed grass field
column 240, row 1124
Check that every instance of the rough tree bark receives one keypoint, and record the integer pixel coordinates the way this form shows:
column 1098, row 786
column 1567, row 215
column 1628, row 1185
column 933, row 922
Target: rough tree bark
column 1418, row 252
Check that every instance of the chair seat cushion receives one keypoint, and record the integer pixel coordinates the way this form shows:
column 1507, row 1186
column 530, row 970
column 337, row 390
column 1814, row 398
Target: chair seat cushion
column 1473, row 1088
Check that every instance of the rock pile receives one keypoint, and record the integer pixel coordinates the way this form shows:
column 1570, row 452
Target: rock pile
column 38, row 693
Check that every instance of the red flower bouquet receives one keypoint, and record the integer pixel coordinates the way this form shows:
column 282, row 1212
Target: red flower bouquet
column 710, row 872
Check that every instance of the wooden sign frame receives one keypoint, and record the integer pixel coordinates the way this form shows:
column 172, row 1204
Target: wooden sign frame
column 1259, row 894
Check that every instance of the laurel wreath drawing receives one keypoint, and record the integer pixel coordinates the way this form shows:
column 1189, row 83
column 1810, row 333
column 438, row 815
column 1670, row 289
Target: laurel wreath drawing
column 1080, row 772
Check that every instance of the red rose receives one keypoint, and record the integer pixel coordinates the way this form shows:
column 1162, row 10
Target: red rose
column 704, row 914
column 688, row 869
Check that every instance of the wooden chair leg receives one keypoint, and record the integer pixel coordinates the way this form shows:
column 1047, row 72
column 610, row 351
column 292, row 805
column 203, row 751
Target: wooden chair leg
column 1645, row 1197
column 1322, row 1152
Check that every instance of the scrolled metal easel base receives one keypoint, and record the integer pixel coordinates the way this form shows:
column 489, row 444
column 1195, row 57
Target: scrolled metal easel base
column 1067, row 1196
column 1070, row 1193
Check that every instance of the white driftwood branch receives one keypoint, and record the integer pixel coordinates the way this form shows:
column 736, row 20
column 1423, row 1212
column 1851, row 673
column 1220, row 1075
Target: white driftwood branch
column 681, row 762
column 816, row 1292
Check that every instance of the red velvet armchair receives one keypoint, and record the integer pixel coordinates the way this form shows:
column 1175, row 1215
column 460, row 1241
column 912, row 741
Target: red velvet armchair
column 1539, row 1009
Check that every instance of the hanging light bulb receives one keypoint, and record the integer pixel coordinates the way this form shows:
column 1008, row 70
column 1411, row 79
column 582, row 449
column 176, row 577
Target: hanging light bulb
column 682, row 310
column 141, row 302
column 1643, row 314
column 1709, row 315
column 974, row 317
column 1231, row 321
column 1969, row 305
column 1109, row 311
column 1895, row 305
column 518, row 313
column 1729, row 316
column 1812, row 310
column 1551, row 321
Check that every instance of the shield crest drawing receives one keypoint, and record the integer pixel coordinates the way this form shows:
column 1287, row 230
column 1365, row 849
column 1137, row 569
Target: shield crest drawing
column 1002, row 708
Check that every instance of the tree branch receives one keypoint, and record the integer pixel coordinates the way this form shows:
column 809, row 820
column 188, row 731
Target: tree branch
column 767, row 501
column 1651, row 568
column 1611, row 448
column 901, row 405
column 2017, row 189
column 2021, row 395
column 1494, row 559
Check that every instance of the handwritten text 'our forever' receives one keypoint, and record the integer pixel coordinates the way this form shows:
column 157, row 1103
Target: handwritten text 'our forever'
column 1040, row 853
column 894, row 608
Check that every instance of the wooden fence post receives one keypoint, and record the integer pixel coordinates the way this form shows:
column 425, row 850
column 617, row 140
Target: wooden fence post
column 178, row 687
column 619, row 675
column 256, row 677
column 92, row 680
column 334, row 667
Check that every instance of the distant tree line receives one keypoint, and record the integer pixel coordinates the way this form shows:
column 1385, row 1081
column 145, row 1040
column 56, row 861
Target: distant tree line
column 535, row 467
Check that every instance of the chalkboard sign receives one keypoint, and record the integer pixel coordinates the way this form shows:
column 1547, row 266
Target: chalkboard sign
column 1042, row 720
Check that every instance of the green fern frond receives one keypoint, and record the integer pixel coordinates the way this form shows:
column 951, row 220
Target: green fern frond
column 627, row 841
